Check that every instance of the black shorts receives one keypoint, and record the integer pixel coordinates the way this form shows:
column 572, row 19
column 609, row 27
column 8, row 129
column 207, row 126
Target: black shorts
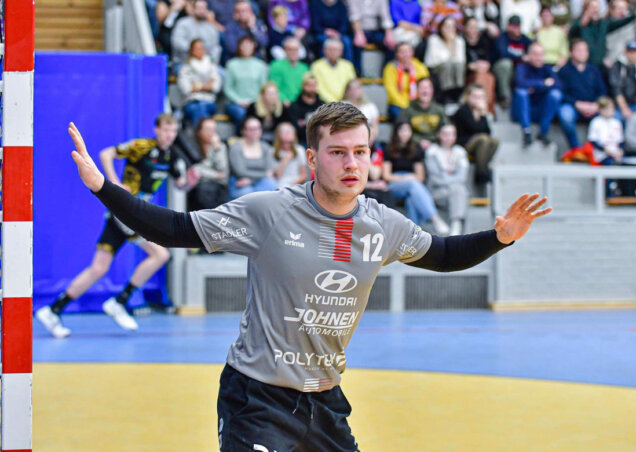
column 255, row 416
column 114, row 235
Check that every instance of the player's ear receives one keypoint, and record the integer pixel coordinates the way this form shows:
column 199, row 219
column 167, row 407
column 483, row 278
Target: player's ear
column 311, row 158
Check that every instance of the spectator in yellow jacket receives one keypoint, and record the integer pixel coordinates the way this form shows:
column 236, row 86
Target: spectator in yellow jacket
column 332, row 72
column 400, row 78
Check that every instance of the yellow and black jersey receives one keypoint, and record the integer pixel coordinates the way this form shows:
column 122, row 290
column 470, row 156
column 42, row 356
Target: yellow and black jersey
column 147, row 165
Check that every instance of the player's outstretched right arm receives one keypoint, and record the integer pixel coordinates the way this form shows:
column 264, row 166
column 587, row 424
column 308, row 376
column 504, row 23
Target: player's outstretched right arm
column 157, row 224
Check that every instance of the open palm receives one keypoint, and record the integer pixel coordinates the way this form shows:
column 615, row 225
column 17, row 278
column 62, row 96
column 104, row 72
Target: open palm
column 520, row 215
column 90, row 175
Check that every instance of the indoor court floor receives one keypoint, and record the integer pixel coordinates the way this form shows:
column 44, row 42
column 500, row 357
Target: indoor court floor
column 418, row 381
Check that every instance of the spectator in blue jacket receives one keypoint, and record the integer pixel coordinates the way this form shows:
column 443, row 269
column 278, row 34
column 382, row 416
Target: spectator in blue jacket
column 511, row 46
column 407, row 16
column 330, row 20
column 537, row 94
column 582, row 85
column 245, row 23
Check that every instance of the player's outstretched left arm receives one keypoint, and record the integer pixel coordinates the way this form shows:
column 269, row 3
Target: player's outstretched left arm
column 157, row 224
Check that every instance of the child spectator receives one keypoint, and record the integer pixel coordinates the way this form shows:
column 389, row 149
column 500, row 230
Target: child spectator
column 279, row 31
column 606, row 134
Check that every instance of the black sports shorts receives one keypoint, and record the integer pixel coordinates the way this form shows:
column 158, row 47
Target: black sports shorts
column 255, row 416
column 114, row 235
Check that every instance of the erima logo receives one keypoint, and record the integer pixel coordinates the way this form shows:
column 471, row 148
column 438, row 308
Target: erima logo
column 336, row 281
column 224, row 221
column 294, row 240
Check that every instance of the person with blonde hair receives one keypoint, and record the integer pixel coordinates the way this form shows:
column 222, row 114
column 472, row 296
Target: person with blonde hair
column 291, row 165
column 269, row 110
column 354, row 94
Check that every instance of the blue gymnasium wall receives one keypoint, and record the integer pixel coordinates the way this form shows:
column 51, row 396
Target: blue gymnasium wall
column 111, row 98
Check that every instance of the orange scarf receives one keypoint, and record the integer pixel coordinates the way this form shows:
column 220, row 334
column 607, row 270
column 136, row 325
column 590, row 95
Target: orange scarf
column 412, row 81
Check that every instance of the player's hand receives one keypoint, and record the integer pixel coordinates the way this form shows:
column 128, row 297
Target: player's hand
column 520, row 215
column 86, row 167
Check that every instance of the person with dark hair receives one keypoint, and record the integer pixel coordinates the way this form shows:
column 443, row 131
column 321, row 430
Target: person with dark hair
column 581, row 85
column 149, row 161
column 330, row 20
column 622, row 81
column 210, row 174
column 593, row 29
column 511, row 46
column 168, row 13
column 280, row 389
column 480, row 54
column 424, row 114
column 553, row 39
column 307, row 103
column 251, row 161
column 404, row 171
column 537, row 95
column 473, row 131
column 244, row 76
column 199, row 81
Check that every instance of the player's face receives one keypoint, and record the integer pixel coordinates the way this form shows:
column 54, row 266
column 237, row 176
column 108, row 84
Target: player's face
column 341, row 163
column 166, row 134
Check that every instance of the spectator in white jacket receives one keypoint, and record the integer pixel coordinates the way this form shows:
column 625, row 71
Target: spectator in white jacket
column 446, row 57
column 447, row 169
column 199, row 81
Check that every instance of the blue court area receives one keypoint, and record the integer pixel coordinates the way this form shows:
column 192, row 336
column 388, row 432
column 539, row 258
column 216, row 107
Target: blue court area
column 574, row 346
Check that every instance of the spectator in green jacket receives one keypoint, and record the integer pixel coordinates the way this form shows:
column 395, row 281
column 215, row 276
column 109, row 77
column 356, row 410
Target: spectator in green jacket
column 288, row 73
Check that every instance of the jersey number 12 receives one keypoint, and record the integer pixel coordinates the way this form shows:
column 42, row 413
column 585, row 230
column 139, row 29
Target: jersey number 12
column 377, row 241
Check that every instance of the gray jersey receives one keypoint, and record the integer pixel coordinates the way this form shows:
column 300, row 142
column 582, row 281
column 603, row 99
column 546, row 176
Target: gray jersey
column 308, row 280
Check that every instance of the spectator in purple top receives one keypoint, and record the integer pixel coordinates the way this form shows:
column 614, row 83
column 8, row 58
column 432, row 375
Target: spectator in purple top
column 406, row 16
column 245, row 23
column 330, row 20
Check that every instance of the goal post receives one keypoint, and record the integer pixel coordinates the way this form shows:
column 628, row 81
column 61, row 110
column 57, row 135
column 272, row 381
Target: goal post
column 17, row 225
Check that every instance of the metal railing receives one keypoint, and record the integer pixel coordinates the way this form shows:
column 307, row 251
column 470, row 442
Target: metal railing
column 127, row 28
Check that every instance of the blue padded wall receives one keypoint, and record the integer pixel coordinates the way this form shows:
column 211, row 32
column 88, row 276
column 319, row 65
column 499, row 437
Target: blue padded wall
column 111, row 98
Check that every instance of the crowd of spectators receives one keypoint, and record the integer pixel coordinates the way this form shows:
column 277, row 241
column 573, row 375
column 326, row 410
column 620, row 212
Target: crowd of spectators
column 273, row 63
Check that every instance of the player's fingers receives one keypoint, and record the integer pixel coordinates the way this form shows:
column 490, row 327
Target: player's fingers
column 534, row 207
column 77, row 138
column 519, row 202
column 529, row 200
column 541, row 213
column 498, row 221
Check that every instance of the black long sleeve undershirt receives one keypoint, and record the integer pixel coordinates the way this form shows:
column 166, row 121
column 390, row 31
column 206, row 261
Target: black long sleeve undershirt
column 162, row 226
column 449, row 254
column 176, row 229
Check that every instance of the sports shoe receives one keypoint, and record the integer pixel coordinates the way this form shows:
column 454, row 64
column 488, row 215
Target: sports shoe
column 527, row 138
column 52, row 322
column 118, row 312
column 441, row 228
column 455, row 227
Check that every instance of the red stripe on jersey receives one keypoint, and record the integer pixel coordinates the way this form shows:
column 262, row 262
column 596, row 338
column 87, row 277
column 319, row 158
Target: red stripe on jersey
column 342, row 240
column 17, row 326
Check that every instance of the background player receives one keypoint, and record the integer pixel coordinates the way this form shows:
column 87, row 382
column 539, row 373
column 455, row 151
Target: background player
column 149, row 162
column 280, row 388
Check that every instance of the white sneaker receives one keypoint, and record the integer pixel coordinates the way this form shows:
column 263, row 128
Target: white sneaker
column 52, row 322
column 119, row 314
column 455, row 227
column 440, row 226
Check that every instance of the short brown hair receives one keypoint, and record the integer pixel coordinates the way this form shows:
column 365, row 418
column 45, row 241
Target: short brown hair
column 338, row 115
column 165, row 118
column 604, row 102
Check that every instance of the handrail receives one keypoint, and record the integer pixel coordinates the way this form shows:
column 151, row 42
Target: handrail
column 549, row 173
column 127, row 28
